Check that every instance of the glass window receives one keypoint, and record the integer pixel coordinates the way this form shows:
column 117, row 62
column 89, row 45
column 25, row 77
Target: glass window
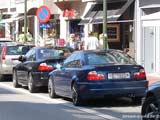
column 70, row 58
column 31, row 55
column 108, row 58
column 47, row 53
column 14, row 50
column 73, row 64
column 123, row 58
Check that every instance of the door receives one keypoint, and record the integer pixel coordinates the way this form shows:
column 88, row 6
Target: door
column 149, row 48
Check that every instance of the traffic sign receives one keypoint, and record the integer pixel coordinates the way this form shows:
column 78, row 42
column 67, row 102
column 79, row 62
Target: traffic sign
column 43, row 14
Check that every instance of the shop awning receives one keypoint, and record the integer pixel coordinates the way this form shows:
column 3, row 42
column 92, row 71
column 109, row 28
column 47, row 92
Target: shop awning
column 9, row 20
column 149, row 3
column 153, row 16
column 114, row 12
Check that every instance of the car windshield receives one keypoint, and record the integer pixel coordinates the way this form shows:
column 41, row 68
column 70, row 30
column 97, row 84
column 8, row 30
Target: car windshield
column 108, row 58
column 47, row 53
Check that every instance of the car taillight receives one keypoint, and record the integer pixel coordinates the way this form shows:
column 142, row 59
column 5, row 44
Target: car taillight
column 94, row 76
column 45, row 67
column 4, row 50
column 140, row 74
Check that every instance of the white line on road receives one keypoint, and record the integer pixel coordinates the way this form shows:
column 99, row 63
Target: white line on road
column 60, row 101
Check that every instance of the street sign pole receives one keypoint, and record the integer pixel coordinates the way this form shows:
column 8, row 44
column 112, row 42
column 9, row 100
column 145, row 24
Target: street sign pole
column 105, row 43
column 25, row 20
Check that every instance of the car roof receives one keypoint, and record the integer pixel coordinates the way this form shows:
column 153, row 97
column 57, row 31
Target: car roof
column 99, row 51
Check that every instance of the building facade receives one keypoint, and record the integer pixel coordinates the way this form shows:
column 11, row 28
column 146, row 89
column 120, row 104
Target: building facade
column 133, row 24
column 7, row 10
column 148, row 35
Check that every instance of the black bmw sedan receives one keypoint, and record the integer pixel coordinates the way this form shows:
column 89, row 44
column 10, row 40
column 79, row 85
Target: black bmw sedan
column 34, row 68
column 97, row 74
column 151, row 103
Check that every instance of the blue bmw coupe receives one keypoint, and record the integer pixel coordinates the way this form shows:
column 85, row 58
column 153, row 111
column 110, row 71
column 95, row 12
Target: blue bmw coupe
column 97, row 74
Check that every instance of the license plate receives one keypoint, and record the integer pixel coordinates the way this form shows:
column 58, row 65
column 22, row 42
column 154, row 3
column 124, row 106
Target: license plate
column 118, row 75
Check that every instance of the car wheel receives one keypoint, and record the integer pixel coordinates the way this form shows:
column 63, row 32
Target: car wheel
column 1, row 77
column 14, row 79
column 51, row 90
column 77, row 101
column 150, row 109
column 31, row 86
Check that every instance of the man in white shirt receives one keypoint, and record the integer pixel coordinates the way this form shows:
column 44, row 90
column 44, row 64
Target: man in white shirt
column 91, row 42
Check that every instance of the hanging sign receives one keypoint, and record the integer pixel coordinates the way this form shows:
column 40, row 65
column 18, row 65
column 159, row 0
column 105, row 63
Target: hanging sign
column 43, row 14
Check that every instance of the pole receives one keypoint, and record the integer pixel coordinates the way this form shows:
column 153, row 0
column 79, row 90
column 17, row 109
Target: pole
column 105, row 44
column 25, row 20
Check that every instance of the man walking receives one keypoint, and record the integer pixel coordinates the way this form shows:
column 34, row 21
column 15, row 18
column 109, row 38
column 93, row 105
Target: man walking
column 91, row 42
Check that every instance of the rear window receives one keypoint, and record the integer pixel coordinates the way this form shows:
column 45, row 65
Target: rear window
column 47, row 53
column 17, row 50
column 108, row 58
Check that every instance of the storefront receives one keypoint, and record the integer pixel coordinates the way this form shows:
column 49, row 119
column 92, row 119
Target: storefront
column 150, row 35
column 120, row 22
column 71, row 13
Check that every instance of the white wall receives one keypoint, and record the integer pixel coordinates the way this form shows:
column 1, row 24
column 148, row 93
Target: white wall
column 30, row 4
column 138, row 28
column 4, row 4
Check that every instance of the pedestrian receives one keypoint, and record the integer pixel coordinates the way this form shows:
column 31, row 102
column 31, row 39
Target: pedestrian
column 72, row 42
column 91, row 43
column 126, row 50
column 21, row 37
column 79, row 42
column 29, row 36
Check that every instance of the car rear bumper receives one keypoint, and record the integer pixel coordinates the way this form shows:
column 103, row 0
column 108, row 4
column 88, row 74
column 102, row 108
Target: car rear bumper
column 6, row 69
column 117, row 89
column 40, row 78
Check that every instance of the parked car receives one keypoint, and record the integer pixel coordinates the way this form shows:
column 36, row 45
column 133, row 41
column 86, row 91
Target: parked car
column 151, row 103
column 96, row 74
column 4, row 41
column 34, row 68
column 9, row 53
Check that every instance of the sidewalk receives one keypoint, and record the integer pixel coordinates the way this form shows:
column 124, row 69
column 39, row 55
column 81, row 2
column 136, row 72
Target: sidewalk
column 152, row 78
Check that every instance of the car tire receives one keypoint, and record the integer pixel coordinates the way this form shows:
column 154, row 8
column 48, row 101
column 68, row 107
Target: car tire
column 76, row 99
column 14, row 80
column 150, row 109
column 1, row 77
column 31, row 86
column 51, row 89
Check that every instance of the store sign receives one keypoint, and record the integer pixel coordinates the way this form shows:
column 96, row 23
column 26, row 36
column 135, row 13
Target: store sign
column 69, row 13
column 44, row 25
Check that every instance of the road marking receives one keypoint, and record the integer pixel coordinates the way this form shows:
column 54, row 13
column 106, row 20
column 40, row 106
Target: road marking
column 60, row 101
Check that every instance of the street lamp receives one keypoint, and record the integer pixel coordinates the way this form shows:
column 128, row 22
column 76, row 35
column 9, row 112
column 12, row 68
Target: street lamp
column 105, row 43
column 25, row 20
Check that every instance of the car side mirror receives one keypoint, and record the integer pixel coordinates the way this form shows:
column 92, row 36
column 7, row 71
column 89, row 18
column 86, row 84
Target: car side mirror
column 22, row 58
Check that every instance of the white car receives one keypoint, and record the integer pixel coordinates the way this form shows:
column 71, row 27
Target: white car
column 9, row 54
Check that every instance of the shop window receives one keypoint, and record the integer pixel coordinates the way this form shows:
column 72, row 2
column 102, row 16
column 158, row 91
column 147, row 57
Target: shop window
column 113, row 32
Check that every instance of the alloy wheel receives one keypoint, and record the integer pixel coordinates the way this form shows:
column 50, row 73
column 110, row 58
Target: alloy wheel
column 15, row 81
column 75, row 96
column 51, row 89
column 151, row 109
column 31, row 86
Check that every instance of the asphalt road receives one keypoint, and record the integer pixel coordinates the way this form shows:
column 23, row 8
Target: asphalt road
column 19, row 104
